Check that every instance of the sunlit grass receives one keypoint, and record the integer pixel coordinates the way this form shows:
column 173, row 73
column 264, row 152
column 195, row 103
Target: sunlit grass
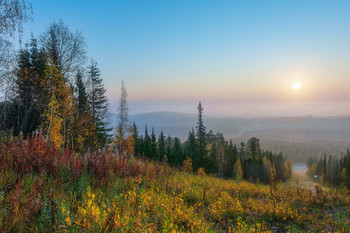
column 111, row 194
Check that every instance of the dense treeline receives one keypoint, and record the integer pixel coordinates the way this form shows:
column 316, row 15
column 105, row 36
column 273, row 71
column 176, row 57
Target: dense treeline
column 331, row 170
column 53, row 91
column 213, row 153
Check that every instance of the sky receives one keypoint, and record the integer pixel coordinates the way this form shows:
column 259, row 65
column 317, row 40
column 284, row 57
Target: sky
column 240, row 58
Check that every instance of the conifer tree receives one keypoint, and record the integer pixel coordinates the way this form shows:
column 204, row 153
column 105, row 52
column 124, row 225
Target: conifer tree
column 190, row 145
column 98, row 102
column 168, row 150
column 31, row 88
column 82, row 98
column 161, row 146
column 84, row 126
column 178, row 156
column 199, row 160
column 232, row 156
column 135, row 133
column 153, row 154
column 211, row 165
column 147, row 143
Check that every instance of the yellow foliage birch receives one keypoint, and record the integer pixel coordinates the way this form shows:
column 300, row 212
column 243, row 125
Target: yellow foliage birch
column 53, row 123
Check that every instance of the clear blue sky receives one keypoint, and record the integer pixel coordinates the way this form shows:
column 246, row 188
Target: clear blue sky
column 232, row 55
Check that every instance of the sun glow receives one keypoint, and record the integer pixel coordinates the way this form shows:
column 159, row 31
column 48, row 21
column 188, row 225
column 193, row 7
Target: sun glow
column 296, row 85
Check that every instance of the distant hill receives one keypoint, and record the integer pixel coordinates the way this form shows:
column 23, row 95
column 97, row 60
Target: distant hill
column 308, row 136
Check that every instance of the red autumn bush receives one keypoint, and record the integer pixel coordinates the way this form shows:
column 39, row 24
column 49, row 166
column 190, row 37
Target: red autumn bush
column 37, row 156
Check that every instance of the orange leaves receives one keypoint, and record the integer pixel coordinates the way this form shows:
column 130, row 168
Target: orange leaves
column 84, row 132
column 124, row 141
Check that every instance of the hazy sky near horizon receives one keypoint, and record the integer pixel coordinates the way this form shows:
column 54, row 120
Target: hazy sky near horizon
column 240, row 58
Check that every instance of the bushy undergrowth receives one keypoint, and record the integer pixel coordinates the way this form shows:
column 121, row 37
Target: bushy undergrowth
column 45, row 190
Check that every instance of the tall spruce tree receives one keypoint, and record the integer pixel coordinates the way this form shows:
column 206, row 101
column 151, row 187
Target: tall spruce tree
column 153, row 145
column 147, row 143
column 161, row 146
column 168, row 150
column 201, row 140
column 84, row 127
column 178, row 155
column 82, row 98
column 31, row 88
column 98, row 102
column 135, row 133
column 191, row 144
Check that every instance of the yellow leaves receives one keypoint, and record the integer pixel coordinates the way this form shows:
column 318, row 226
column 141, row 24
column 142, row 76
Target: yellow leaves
column 68, row 221
column 187, row 165
column 60, row 110
column 53, row 123
column 89, row 203
column 177, row 204
column 124, row 140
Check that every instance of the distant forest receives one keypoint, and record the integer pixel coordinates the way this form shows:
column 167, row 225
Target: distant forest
column 331, row 170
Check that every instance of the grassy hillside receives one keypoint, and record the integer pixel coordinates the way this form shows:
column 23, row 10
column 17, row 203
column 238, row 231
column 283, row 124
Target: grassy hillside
column 44, row 190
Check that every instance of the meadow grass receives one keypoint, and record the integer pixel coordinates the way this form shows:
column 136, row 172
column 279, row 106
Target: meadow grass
column 44, row 190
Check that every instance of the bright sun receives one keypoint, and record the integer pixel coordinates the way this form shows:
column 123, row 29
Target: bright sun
column 296, row 85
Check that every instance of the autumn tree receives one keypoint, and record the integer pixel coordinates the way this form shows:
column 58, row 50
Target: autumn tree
column 53, row 123
column 65, row 109
column 13, row 13
column 237, row 170
column 268, row 176
column 65, row 48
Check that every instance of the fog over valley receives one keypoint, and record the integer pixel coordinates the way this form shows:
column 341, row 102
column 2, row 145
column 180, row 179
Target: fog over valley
column 297, row 137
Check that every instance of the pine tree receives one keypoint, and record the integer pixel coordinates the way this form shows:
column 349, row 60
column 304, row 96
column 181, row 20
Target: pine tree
column 190, row 145
column 98, row 102
column 84, row 126
column 153, row 145
column 82, row 98
column 211, row 165
column 161, row 146
column 201, row 140
column 147, row 143
column 178, row 156
column 232, row 156
column 31, row 88
column 253, row 147
column 136, row 139
column 168, row 150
